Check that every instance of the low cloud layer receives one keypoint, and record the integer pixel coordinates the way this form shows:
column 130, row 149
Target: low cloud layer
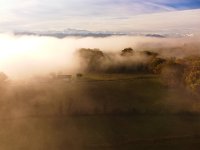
column 27, row 56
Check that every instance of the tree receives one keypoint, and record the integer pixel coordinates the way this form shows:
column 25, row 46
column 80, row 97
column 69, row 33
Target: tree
column 3, row 77
column 155, row 65
column 127, row 52
column 149, row 54
column 91, row 58
column 192, row 78
column 172, row 73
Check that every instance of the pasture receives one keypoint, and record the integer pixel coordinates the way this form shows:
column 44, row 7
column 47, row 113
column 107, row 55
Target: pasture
column 99, row 111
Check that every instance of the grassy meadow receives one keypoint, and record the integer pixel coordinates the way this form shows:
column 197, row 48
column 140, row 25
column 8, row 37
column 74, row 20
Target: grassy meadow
column 98, row 111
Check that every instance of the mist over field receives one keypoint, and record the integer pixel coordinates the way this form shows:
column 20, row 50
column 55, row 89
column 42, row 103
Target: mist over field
column 27, row 56
column 99, row 74
column 30, row 64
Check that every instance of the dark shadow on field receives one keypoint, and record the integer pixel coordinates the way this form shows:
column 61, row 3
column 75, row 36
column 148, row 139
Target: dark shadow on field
column 101, row 132
column 97, row 113
column 95, row 95
column 124, row 97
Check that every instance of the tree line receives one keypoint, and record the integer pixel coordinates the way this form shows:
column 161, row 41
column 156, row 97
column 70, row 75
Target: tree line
column 173, row 71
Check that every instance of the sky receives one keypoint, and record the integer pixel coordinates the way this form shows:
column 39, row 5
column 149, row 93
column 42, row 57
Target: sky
column 99, row 15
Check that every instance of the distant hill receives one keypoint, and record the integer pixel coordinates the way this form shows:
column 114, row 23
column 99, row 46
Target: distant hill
column 85, row 33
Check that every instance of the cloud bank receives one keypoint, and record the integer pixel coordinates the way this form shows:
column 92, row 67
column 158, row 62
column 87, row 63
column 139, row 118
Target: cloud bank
column 27, row 56
column 117, row 15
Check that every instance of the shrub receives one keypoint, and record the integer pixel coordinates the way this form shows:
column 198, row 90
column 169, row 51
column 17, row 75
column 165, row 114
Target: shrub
column 192, row 76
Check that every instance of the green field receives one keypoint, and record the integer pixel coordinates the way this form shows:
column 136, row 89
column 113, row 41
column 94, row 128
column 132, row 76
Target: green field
column 99, row 111
column 101, row 132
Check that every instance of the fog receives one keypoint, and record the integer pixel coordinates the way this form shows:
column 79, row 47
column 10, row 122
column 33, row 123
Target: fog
column 33, row 57
column 25, row 56
column 93, row 110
